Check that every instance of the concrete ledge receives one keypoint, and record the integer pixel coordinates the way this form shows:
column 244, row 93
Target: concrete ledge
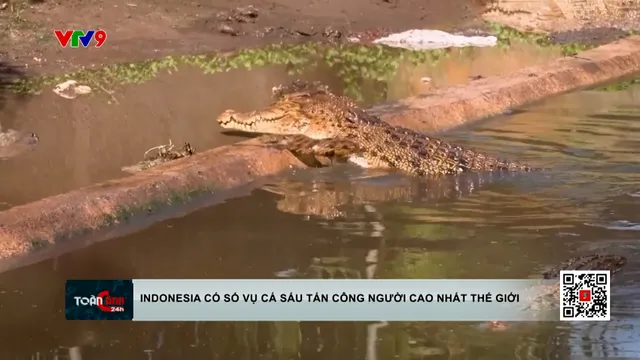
column 43, row 228
column 34, row 227
column 453, row 106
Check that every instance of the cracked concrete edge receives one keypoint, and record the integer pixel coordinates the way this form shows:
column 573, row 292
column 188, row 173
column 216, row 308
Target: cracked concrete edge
column 48, row 227
column 449, row 107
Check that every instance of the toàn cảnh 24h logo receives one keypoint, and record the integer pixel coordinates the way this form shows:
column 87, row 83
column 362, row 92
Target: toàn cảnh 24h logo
column 75, row 38
column 99, row 300
column 104, row 301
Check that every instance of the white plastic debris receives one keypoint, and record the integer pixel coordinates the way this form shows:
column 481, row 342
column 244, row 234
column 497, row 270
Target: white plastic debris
column 70, row 89
column 434, row 39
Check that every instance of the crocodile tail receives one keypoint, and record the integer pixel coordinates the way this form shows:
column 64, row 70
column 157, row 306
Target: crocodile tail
column 482, row 162
column 613, row 263
column 514, row 166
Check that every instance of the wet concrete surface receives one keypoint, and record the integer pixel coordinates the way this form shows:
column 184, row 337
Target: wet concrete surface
column 514, row 227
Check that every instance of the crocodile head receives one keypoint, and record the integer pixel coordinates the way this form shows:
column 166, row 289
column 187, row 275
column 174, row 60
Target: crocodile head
column 317, row 115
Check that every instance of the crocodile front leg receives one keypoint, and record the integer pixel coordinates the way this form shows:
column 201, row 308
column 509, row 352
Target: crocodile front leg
column 323, row 151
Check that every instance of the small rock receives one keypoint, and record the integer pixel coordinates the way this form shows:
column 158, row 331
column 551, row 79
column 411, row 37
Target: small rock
column 70, row 89
column 303, row 32
column 223, row 16
column 82, row 90
column 242, row 19
column 248, row 11
column 331, row 33
column 228, row 30
column 239, row 15
column 266, row 30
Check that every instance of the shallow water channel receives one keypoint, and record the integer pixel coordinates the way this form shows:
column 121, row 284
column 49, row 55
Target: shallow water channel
column 342, row 220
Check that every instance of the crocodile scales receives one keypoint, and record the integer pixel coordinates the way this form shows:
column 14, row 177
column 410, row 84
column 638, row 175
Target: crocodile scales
column 335, row 124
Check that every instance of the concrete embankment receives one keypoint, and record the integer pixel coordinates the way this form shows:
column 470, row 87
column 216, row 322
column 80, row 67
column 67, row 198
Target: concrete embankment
column 453, row 106
column 60, row 223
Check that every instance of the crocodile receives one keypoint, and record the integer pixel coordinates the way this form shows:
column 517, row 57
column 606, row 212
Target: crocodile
column 598, row 261
column 613, row 263
column 312, row 111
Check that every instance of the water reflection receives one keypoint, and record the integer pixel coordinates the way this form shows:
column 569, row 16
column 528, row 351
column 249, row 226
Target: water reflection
column 344, row 222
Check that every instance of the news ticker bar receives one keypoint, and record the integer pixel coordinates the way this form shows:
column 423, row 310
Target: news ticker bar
column 311, row 300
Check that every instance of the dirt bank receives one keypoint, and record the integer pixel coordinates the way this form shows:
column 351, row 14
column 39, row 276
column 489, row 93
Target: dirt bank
column 143, row 29
column 39, row 229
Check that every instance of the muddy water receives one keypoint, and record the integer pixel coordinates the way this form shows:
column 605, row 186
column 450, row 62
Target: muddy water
column 463, row 66
column 89, row 139
column 508, row 227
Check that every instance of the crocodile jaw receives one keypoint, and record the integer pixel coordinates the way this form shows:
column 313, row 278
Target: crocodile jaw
column 264, row 121
column 272, row 121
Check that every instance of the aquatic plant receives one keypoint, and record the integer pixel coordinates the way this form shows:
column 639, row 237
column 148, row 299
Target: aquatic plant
column 506, row 35
column 619, row 86
column 354, row 63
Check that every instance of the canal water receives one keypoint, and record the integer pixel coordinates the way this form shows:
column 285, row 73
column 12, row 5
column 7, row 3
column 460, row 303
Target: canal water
column 90, row 138
column 342, row 221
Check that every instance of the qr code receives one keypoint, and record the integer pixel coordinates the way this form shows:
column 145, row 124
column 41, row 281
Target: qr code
column 585, row 295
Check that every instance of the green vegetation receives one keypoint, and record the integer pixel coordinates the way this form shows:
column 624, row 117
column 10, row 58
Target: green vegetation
column 353, row 63
column 37, row 244
column 507, row 35
column 172, row 198
column 619, row 86
column 126, row 213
